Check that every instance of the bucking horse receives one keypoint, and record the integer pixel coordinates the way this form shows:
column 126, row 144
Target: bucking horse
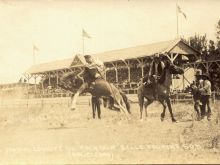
column 101, row 88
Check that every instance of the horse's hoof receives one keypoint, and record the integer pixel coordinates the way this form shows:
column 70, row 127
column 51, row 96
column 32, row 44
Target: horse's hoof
column 174, row 121
column 73, row 109
column 162, row 119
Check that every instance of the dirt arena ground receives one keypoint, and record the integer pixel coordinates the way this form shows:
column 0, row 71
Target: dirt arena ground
column 55, row 134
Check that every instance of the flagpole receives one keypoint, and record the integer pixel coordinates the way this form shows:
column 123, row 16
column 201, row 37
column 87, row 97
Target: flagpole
column 33, row 56
column 83, row 45
column 177, row 22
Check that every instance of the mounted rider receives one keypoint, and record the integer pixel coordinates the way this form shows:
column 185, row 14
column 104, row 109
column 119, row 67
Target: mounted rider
column 94, row 67
column 156, row 69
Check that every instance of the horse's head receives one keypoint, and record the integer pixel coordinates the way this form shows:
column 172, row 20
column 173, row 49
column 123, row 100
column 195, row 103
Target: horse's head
column 168, row 71
column 173, row 69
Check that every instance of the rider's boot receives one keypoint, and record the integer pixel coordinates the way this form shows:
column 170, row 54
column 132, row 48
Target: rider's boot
column 91, row 86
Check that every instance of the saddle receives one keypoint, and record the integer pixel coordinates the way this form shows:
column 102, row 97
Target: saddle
column 91, row 74
column 151, row 81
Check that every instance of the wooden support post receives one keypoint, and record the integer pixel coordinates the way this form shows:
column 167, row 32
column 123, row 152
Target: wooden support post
column 57, row 74
column 116, row 71
column 218, row 64
column 141, row 64
column 129, row 72
column 173, row 57
column 35, row 84
column 49, row 79
column 116, row 75
column 142, row 70
column 183, row 80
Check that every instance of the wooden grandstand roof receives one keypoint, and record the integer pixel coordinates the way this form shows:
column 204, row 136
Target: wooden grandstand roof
column 76, row 61
column 173, row 46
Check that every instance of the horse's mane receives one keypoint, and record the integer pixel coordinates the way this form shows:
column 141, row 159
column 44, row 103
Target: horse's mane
column 67, row 75
column 172, row 69
column 163, row 75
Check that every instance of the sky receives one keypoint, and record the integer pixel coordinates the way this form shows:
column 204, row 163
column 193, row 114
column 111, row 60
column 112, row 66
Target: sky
column 55, row 27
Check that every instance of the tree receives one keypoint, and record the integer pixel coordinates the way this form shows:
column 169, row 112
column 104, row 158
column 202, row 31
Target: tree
column 218, row 38
column 211, row 48
column 218, row 31
column 199, row 43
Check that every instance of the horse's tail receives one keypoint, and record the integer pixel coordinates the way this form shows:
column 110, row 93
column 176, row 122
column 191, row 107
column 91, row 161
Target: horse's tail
column 126, row 101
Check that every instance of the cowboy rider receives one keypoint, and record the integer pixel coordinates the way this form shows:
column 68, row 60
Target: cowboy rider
column 156, row 69
column 95, row 67
column 95, row 63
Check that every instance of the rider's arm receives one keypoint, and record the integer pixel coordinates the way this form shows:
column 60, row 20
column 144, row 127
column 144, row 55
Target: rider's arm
column 99, row 62
column 81, row 74
column 162, row 65
column 207, row 86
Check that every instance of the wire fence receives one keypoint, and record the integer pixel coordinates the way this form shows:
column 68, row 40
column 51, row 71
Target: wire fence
column 82, row 100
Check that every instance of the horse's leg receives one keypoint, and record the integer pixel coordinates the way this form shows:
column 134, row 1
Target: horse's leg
column 93, row 106
column 146, row 104
column 105, row 102
column 127, row 104
column 121, row 104
column 162, row 101
column 98, row 103
column 141, row 104
column 170, row 109
column 75, row 97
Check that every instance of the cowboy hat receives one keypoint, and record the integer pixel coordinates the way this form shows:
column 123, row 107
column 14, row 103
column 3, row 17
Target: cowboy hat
column 87, row 56
column 157, row 55
column 198, row 72
column 205, row 75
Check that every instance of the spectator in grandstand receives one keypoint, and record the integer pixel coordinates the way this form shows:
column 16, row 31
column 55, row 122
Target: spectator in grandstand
column 205, row 89
column 111, row 76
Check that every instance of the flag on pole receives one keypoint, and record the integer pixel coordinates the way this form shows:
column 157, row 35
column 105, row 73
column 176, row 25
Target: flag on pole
column 35, row 48
column 85, row 34
column 179, row 10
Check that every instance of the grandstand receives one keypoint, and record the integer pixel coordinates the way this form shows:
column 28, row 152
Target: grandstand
column 124, row 67
column 18, row 90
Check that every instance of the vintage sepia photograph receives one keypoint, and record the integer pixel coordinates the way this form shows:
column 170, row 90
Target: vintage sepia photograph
column 109, row 81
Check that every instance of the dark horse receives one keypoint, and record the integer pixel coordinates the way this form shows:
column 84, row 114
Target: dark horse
column 163, row 90
column 101, row 89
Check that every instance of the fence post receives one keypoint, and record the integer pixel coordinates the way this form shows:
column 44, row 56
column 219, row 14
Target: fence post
column 27, row 103
column 42, row 103
column 213, row 97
